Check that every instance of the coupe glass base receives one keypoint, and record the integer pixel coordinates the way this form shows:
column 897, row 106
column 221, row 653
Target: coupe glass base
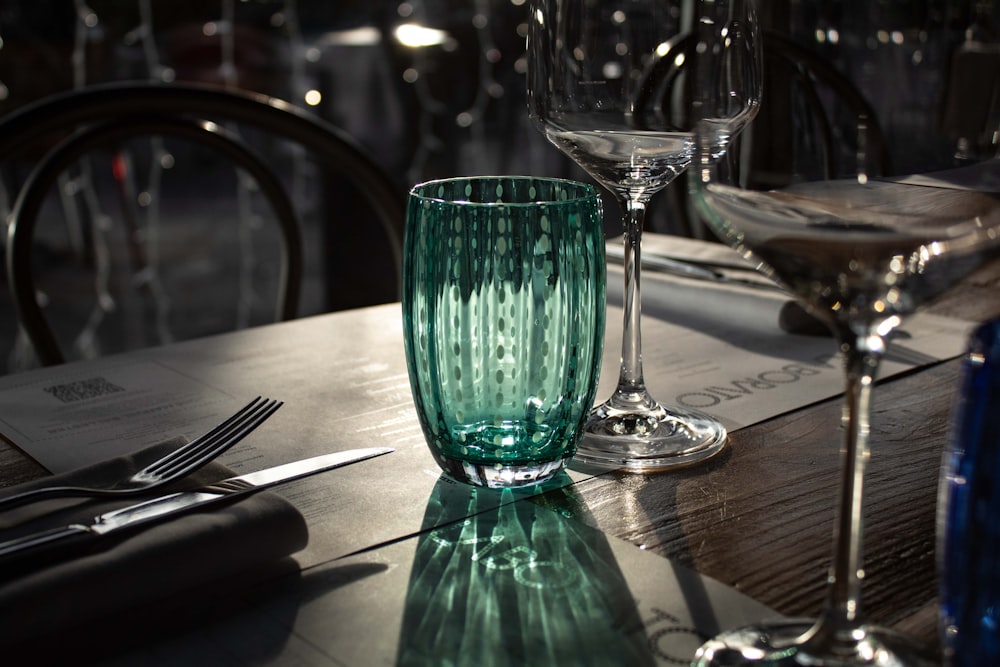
column 650, row 439
column 501, row 475
column 795, row 643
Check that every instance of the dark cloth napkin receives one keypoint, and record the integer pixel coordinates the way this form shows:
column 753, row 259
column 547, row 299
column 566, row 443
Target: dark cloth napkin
column 157, row 566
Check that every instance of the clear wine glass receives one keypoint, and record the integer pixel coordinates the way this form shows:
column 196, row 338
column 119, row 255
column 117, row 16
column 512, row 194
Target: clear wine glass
column 861, row 253
column 608, row 85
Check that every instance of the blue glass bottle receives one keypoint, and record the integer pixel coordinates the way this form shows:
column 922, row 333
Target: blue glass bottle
column 969, row 514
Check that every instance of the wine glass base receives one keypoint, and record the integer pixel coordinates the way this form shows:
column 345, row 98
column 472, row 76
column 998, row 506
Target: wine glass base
column 793, row 643
column 650, row 439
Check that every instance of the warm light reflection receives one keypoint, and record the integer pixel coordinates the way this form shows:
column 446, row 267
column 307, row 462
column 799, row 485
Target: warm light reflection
column 313, row 97
column 886, row 328
column 363, row 36
column 416, row 36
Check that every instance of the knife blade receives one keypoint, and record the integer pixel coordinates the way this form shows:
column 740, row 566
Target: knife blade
column 793, row 318
column 694, row 269
column 36, row 545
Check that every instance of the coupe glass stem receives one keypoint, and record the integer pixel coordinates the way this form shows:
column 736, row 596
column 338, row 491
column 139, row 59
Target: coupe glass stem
column 842, row 616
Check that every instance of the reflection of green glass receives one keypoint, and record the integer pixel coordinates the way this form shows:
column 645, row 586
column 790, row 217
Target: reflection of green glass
column 518, row 584
column 503, row 315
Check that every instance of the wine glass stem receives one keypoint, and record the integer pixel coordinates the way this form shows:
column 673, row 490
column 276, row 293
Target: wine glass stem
column 843, row 612
column 630, row 379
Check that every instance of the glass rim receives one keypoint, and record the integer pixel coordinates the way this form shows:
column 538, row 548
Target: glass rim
column 585, row 190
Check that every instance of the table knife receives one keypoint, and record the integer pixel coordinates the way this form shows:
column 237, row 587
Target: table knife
column 694, row 269
column 36, row 545
column 793, row 318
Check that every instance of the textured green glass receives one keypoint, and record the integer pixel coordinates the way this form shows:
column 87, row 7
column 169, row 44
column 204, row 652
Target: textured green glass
column 503, row 316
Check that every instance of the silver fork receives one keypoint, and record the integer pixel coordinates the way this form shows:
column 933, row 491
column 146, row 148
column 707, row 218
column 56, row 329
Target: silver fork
column 175, row 465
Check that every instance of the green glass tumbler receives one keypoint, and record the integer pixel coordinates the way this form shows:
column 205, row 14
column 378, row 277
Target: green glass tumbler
column 503, row 321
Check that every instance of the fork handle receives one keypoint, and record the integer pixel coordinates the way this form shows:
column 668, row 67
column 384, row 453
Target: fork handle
column 47, row 492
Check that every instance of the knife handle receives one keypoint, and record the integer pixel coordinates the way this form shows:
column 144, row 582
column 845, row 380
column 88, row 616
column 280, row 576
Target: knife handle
column 38, row 549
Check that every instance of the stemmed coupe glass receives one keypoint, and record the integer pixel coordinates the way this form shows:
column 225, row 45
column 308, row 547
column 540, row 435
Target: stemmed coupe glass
column 861, row 253
column 608, row 85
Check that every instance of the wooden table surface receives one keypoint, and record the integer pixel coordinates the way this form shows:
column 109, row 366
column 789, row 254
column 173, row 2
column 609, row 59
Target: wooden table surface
column 759, row 517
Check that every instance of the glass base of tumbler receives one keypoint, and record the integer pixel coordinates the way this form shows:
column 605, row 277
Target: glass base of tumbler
column 648, row 438
column 795, row 643
column 501, row 475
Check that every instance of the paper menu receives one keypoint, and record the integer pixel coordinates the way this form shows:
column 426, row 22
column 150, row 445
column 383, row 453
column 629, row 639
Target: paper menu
column 719, row 350
column 83, row 414
column 343, row 377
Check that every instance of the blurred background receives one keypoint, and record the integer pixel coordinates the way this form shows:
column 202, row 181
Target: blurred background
column 430, row 88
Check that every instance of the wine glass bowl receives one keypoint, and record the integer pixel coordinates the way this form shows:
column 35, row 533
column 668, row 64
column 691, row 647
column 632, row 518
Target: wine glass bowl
column 610, row 84
column 860, row 254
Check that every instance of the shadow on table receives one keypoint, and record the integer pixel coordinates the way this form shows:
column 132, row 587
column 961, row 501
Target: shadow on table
column 515, row 584
column 173, row 629
column 248, row 624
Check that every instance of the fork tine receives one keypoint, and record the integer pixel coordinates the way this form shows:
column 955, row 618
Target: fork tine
column 209, row 450
column 220, row 442
column 207, row 447
column 181, row 451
